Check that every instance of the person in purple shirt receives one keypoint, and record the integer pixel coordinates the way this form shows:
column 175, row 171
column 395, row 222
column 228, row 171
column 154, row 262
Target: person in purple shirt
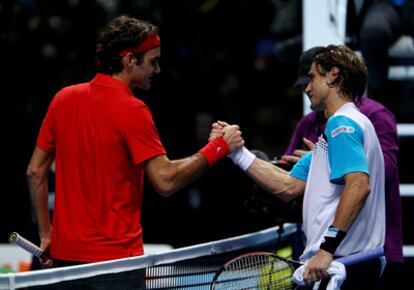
column 311, row 126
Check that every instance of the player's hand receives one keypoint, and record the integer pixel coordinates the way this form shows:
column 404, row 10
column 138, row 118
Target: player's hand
column 217, row 130
column 317, row 267
column 45, row 261
column 308, row 143
column 233, row 137
column 298, row 153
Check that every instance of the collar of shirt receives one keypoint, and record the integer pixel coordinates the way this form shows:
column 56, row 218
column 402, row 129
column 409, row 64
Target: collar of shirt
column 111, row 82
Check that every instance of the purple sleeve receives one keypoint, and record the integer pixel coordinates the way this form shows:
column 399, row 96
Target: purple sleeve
column 386, row 129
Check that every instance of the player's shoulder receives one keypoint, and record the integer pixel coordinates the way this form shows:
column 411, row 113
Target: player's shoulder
column 68, row 94
column 133, row 104
column 348, row 113
column 347, row 121
column 73, row 89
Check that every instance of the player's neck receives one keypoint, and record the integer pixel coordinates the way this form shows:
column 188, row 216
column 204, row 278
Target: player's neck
column 336, row 102
column 124, row 77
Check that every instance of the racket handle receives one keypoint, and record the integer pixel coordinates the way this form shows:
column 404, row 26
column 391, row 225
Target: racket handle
column 15, row 238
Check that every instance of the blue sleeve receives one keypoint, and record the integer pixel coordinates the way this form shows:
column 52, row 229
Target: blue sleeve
column 345, row 148
column 301, row 168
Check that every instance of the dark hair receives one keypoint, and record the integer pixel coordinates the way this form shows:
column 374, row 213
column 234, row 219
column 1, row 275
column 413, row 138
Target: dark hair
column 352, row 77
column 121, row 33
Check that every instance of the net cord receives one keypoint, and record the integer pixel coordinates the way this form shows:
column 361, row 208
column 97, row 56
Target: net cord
column 48, row 276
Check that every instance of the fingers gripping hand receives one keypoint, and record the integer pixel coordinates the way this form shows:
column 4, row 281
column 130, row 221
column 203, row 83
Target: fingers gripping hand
column 45, row 261
column 222, row 123
column 232, row 135
column 217, row 130
column 317, row 267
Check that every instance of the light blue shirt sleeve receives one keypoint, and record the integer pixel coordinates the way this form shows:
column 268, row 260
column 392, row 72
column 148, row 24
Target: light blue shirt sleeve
column 301, row 168
column 345, row 148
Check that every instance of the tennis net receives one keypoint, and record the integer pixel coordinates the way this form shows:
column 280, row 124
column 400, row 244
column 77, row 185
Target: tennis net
column 190, row 267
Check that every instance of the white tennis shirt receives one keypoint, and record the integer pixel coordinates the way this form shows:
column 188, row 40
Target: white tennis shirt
column 350, row 145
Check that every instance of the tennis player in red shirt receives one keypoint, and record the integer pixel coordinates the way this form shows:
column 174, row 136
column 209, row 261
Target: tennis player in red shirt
column 104, row 140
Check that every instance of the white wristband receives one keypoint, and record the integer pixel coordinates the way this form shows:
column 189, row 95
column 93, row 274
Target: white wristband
column 242, row 157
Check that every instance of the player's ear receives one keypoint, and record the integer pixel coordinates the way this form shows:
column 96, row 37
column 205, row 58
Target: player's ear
column 128, row 60
column 333, row 74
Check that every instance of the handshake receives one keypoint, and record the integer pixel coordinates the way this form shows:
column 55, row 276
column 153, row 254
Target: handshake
column 231, row 134
column 244, row 158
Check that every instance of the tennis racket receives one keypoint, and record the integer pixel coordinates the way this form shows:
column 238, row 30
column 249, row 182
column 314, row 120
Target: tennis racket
column 263, row 270
column 15, row 238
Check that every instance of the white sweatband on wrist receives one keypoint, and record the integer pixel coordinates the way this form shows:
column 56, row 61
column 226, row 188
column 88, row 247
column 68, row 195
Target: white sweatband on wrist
column 242, row 157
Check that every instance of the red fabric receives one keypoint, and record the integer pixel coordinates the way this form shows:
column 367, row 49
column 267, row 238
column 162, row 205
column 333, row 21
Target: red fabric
column 100, row 134
column 215, row 150
column 152, row 41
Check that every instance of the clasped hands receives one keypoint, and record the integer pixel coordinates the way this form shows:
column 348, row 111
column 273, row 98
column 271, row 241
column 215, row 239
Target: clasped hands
column 230, row 133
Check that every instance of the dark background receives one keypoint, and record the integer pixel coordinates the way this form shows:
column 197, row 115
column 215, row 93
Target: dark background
column 217, row 63
column 233, row 60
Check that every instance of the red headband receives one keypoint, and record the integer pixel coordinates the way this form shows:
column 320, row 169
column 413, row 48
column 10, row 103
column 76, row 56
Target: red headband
column 152, row 41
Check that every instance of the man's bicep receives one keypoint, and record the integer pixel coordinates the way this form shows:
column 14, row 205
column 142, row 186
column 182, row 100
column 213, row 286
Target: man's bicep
column 356, row 177
column 154, row 166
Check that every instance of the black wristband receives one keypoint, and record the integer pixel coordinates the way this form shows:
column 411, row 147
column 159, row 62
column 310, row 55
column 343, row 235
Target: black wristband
column 332, row 239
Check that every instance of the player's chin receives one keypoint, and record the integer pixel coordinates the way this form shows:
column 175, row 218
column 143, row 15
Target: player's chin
column 145, row 86
column 148, row 84
column 315, row 106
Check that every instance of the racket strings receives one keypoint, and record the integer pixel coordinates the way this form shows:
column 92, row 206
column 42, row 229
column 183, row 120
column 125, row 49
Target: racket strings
column 256, row 272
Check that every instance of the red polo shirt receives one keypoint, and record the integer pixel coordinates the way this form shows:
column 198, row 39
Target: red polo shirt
column 100, row 134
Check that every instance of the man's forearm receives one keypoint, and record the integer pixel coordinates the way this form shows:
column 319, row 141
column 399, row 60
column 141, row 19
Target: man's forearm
column 39, row 196
column 275, row 180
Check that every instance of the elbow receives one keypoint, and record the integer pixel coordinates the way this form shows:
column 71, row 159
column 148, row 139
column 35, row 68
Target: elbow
column 366, row 187
column 29, row 173
column 165, row 184
column 294, row 189
column 163, row 176
column 165, row 189
column 290, row 190
column 364, row 190
column 367, row 190
column 32, row 172
column 286, row 196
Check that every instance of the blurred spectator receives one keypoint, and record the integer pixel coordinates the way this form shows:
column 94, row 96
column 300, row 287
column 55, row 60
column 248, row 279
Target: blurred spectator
column 376, row 25
column 372, row 27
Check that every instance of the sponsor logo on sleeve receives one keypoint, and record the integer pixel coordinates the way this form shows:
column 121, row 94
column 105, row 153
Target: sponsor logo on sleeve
column 342, row 129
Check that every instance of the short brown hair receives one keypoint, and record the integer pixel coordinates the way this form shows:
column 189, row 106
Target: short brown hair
column 352, row 77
